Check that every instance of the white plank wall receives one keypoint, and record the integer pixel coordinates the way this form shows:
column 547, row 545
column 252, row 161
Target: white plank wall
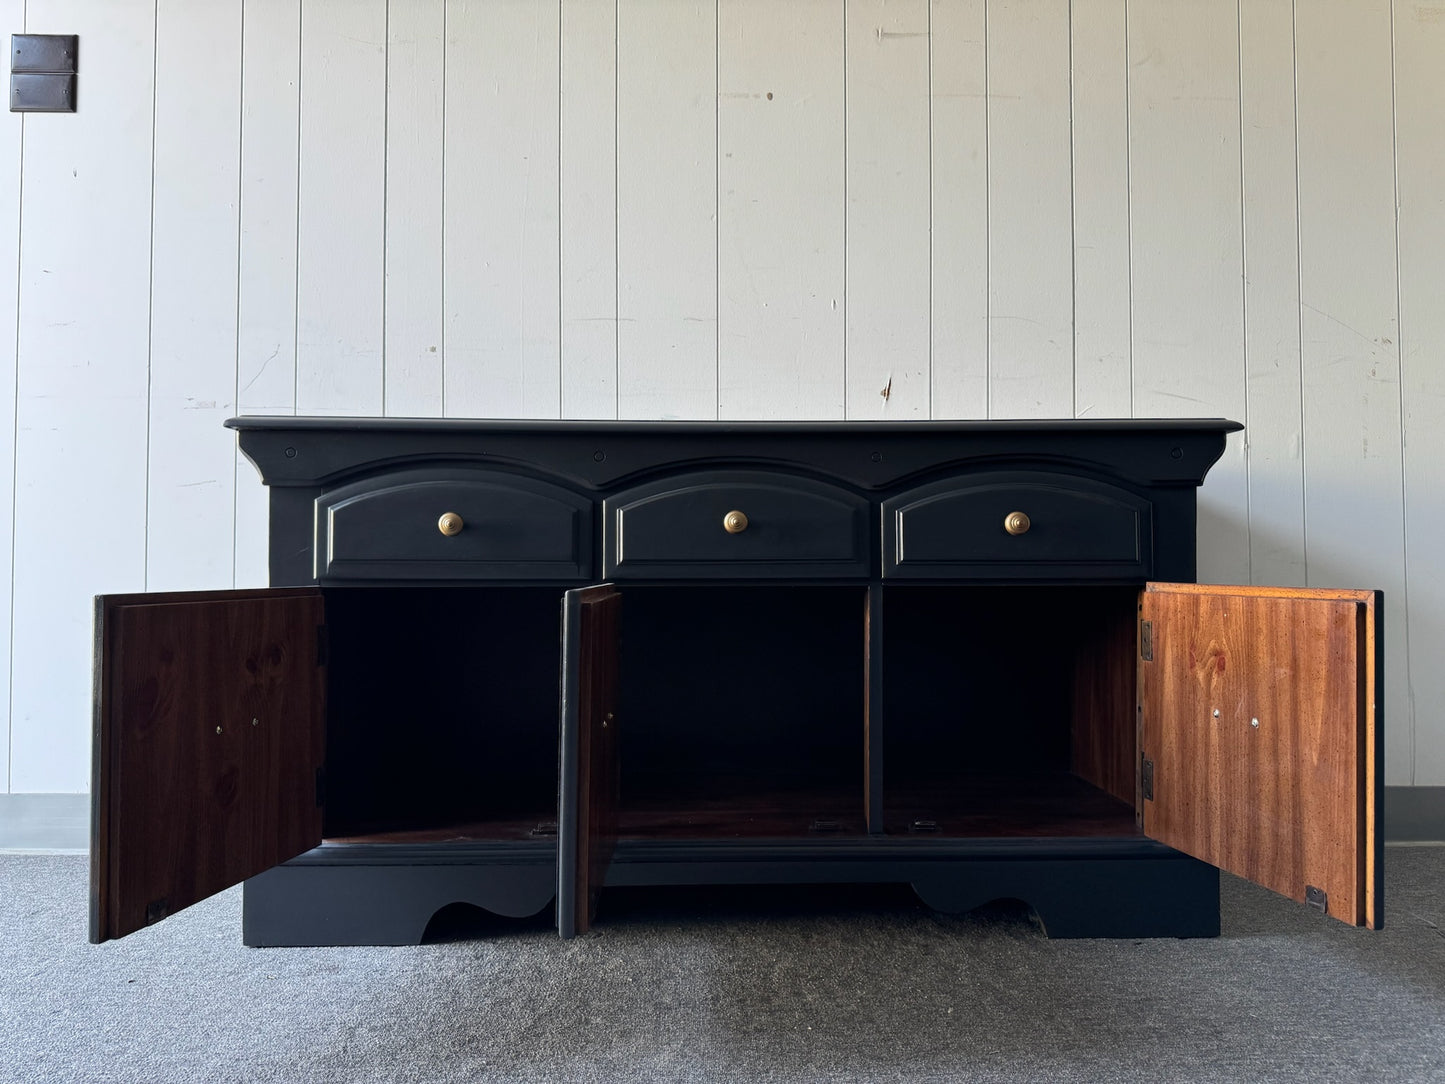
column 667, row 346
column 1349, row 301
column 194, row 238
column 780, row 209
column 853, row 209
column 10, row 146
column 958, row 148
column 1187, row 245
column 588, row 196
column 341, row 217
column 415, row 139
column 1420, row 177
column 887, row 293
column 1030, row 211
column 501, row 290
column 82, row 411
column 266, row 291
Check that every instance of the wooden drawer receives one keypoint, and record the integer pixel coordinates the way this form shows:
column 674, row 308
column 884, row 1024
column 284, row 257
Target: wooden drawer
column 509, row 527
column 962, row 528
column 680, row 528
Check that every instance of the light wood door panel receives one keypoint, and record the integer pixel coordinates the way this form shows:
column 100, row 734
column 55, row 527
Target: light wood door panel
column 1260, row 737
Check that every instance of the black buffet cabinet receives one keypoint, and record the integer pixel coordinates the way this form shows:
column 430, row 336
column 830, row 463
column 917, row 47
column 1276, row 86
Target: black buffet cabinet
column 513, row 664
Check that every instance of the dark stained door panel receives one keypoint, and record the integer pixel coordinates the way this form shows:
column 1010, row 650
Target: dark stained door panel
column 209, row 736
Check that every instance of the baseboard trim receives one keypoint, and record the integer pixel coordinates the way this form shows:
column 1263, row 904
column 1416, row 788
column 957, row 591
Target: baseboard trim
column 45, row 822
column 1414, row 814
column 61, row 822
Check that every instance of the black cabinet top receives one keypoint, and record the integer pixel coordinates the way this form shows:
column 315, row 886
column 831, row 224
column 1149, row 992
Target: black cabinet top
column 703, row 428
column 600, row 456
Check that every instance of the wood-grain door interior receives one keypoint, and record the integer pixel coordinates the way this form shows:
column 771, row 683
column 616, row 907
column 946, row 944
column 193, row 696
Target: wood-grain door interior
column 1260, row 737
column 209, row 735
column 587, row 811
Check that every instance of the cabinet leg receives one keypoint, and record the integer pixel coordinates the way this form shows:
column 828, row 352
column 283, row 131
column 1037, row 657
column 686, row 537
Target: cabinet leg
column 1176, row 897
column 383, row 904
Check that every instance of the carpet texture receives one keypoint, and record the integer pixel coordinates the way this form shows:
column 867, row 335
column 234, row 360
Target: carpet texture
column 837, row 985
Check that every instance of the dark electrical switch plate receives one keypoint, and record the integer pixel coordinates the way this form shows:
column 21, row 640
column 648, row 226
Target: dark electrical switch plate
column 44, row 52
column 46, row 92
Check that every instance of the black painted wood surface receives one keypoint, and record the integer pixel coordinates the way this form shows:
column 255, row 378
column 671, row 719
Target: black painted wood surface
column 867, row 509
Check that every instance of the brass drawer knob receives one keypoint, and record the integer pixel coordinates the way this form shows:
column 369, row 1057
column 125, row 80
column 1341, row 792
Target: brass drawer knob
column 450, row 524
column 735, row 522
column 1016, row 523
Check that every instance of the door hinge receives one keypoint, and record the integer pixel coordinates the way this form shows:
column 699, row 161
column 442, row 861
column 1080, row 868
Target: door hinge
column 1146, row 777
column 1317, row 898
column 1146, row 640
column 320, row 786
column 323, row 645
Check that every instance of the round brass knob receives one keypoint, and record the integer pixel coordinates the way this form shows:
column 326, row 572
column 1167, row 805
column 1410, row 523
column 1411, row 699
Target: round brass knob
column 735, row 522
column 450, row 524
column 1016, row 523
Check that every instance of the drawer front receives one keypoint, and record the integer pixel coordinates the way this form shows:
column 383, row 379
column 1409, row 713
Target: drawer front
column 1070, row 528
column 505, row 527
column 735, row 523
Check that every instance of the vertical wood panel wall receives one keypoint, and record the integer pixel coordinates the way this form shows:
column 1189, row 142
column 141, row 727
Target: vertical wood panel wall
column 859, row 209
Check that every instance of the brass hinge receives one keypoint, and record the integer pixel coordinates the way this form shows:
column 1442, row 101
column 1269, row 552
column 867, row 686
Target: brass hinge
column 1146, row 777
column 1146, row 640
column 1318, row 899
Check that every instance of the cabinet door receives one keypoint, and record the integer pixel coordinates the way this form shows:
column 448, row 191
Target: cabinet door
column 588, row 794
column 1260, row 737
column 209, row 738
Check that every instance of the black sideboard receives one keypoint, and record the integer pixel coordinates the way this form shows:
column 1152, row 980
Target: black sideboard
column 507, row 663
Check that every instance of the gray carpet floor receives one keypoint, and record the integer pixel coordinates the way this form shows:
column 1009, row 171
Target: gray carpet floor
column 837, row 987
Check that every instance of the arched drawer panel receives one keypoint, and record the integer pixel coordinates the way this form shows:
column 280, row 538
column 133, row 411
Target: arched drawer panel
column 674, row 528
column 511, row 527
column 1076, row 529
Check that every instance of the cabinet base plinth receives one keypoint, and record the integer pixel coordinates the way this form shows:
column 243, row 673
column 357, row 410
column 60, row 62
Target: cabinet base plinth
column 374, row 895
column 307, row 905
column 1102, row 898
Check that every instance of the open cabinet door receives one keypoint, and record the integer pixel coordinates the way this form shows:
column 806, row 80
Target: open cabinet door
column 209, row 738
column 1260, row 740
column 588, row 791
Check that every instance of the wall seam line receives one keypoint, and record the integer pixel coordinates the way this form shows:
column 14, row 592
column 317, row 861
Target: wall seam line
column 300, row 125
column 442, row 298
column 1300, row 300
column 15, row 441
column 1244, row 293
column 385, row 185
column 1129, row 196
column 151, row 290
column 930, row 211
column 1073, row 237
column 987, row 218
column 1403, row 652
column 561, row 375
column 716, row 209
column 240, row 194
column 847, row 260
